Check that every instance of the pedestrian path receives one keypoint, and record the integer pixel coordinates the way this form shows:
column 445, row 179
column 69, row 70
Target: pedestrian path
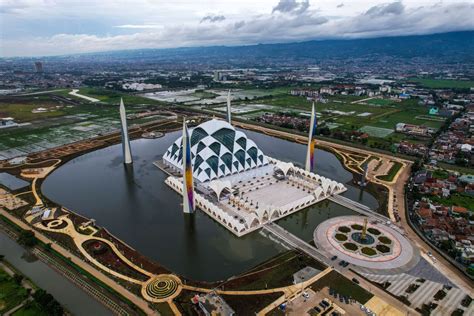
column 450, row 303
column 424, row 294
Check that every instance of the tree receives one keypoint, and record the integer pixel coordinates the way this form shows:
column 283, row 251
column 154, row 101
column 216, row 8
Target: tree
column 17, row 278
column 27, row 238
column 48, row 303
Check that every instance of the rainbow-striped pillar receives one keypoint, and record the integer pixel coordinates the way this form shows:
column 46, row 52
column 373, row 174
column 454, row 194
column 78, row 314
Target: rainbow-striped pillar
column 311, row 141
column 188, row 185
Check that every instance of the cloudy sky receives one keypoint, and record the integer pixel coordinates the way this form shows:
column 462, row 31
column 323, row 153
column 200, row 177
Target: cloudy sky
column 55, row 27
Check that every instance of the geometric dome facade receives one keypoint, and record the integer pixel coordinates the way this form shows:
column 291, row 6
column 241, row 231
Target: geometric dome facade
column 217, row 150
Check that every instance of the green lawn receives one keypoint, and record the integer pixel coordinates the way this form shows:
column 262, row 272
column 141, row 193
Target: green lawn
column 392, row 172
column 345, row 98
column 456, row 199
column 343, row 286
column 20, row 108
column 203, row 94
column 440, row 84
column 440, row 174
column 381, row 102
column 109, row 96
column 31, row 309
column 11, row 294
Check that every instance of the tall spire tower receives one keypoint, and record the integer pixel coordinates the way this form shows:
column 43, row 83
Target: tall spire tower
column 311, row 141
column 127, row 153
column 188, row 185
column 363, row 181
column 228, row 108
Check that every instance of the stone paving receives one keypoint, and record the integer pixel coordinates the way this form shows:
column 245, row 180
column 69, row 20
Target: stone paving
column 403, row 258
column 424, row 294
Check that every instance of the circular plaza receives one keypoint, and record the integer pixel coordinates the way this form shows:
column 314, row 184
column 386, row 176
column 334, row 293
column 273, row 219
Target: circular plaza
column 366, row 243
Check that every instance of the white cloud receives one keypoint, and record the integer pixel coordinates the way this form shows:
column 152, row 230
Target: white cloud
column 291, row 6
column 294, row 24
column 212, row 18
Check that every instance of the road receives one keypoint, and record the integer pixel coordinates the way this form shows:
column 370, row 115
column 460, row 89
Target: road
column 311, row 251
column 75, row 93
column 396, row 188
column 357, row 207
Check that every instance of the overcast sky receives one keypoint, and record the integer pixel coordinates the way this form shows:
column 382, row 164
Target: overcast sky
column 55, row 27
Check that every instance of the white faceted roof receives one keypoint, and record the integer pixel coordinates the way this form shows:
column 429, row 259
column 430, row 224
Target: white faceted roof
column 217, row 150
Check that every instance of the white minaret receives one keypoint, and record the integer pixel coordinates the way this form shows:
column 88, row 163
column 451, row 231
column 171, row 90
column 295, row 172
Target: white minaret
column 127, row 153
column 228, row 108
column 311, row 142
column 188, row 183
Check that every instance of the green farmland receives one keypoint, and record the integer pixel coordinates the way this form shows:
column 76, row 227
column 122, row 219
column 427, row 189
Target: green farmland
column 444, row 84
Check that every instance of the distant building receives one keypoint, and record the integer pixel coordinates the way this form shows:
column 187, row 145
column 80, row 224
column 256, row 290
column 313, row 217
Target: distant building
column 213, row 304
column 7, row 122
column 411, row 129
column 467, row 178
column 38, row 67
column 219, row 76
column 434, row 111
column 305, row 274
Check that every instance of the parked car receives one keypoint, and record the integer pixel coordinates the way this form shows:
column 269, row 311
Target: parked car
column 334, row 258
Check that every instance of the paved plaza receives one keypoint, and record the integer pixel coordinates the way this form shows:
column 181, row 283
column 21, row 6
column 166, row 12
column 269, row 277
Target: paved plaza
column 401, row 257
column 424, row 294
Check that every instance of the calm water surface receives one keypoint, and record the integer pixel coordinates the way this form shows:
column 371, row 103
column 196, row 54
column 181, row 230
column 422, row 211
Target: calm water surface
column 65, row 292
column 137, row 206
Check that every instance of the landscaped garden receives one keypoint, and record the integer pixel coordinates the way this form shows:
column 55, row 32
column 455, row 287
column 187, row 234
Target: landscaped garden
column 368, row 251
column 373, row 231
column 356, row 226
column 341, row 237
column 12, row 293
column 382, row 248
column 350, row 246
column 344, row 229
column 370, row 243
column 385, row 240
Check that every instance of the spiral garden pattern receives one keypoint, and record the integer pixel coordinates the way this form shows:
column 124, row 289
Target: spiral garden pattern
column 162, row 287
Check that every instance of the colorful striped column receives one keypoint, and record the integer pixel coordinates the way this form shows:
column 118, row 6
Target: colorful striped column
column 188, row 185
column 311, row 141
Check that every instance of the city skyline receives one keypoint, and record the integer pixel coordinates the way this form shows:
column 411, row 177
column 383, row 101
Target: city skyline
column 43, row 28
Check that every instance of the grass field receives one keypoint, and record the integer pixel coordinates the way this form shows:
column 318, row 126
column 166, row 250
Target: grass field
column 456, row 199
column 31, row 310
column 392, row 172
column 109, row 96
column 11, row 294
column 203, row 94
column 440, row 84
column 383, row 116
column 343, row 286
column 381, row 102
column 20, row 108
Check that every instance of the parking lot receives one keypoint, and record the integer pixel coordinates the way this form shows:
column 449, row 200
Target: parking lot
column 306, row 306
